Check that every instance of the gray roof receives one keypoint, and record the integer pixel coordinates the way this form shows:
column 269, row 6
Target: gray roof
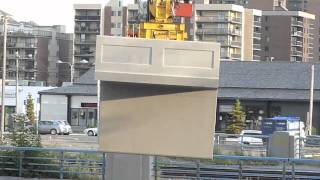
column 278, row 75
column 243, row 80
column 75, row 89
column 87, row 78
column 267, row 81
column 86, row 85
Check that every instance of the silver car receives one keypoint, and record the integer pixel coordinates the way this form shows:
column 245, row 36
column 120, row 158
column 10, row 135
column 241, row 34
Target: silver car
column 54, row 127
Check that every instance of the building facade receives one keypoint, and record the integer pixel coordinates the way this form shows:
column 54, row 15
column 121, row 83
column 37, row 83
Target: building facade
column 310, row 6
column 237, row 29
column 287, row 36
column 76, row 103
column 88, row 24
column 36, row 49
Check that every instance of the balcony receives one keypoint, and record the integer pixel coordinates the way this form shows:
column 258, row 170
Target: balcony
column 230, row 43
column 297, row 23
column 84, row 53
column 87, row 30
column 296, row 53
column 257, row 23
column 256, row 47
column 218, row 31
column 297, row 33
column 22, row 45
column 296, row 43
column 257, row 35
column 226, row 19
column 235, row 56
column 87, row 18
column 30, row 34
column 90, row 42
column 256, row 57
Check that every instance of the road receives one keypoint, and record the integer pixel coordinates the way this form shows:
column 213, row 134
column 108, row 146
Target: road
column 70, row 141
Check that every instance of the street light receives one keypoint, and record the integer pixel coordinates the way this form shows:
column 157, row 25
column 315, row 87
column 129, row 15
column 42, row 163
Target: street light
column 17, row 79
column 4, row 18
column 83, row 61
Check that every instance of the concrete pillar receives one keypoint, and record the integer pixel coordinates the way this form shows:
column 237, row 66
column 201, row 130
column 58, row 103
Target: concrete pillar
column 156, row 98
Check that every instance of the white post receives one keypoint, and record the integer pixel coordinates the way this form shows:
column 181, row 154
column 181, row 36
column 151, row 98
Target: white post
column 17, row 81
column 311, row 101
column 3, row 75
column 71, row 71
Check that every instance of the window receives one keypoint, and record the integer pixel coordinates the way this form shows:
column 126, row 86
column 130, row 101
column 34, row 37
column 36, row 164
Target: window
column 84, row 117
column 118, row 25
column 266, row 28
column 113, row 25
column 119, row 13
column 114, row 13
column 119, row 3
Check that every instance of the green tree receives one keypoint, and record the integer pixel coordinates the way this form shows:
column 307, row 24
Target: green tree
column 237, row 123
column 30, row 109
column 24, row 135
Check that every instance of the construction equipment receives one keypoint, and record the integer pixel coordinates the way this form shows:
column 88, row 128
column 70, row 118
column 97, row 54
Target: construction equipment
column 159, row 23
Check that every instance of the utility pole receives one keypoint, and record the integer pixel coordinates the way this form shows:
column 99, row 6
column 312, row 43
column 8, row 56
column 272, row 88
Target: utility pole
column 17, row 81
column 311, row 101
column 3, row 74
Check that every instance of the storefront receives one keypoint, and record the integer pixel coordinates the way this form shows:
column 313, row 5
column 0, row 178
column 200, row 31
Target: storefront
column 76, row 103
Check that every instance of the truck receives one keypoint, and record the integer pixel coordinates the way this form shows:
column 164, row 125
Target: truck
column 283, row 123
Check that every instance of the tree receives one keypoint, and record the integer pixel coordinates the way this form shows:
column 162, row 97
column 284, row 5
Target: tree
column 24, row 135
column 237, row 123
column 30, row 109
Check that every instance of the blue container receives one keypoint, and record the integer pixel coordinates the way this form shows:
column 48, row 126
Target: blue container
column 280, row 123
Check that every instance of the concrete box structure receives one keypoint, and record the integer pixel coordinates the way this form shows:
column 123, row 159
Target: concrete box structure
column 157, row 97
column 283, row 144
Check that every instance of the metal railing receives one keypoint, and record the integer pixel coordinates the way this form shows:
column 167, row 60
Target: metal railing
column 236, row 167
column 52, row 162
column 218, row 19
column 218, row 31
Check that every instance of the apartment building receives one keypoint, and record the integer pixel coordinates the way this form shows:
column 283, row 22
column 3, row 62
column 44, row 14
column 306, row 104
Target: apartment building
column 133, row 20
column 266, row 5
column 57, row 47
column 287, row 36
column 313, row 7
column 236, row 28
column 92, row 20
column 88, row 24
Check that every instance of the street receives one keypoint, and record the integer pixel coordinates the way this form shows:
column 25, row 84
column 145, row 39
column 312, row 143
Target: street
column 81, row 141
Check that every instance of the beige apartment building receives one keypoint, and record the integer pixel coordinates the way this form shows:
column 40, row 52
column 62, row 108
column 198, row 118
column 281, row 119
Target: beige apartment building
column 88, row 24
column 287, row 36
column 237, row 29
column 92, row 20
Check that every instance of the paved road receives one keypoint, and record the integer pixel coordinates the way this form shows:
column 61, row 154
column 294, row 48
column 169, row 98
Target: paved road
column 70, row 141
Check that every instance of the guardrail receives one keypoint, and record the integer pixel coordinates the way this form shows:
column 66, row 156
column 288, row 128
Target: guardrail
column 52, row 163
column 236, row 167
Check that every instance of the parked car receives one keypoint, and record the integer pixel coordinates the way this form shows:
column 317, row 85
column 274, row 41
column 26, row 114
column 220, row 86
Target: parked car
column 248, row 137
column 54, row 127
column 91, row 131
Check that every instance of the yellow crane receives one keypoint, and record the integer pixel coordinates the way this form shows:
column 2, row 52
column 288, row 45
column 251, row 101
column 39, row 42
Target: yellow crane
column 160, row 25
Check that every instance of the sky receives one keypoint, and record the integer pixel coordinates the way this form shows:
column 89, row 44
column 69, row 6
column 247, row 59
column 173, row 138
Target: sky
column 46, row 12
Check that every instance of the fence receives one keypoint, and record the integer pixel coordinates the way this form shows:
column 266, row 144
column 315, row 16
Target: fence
column 257, row 145
column 52, row 162
column 237, row 167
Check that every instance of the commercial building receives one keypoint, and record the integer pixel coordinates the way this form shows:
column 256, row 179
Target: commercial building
column 23, row 93
column 76, row 103
column 264, row 89
column 287, row 36
column 236, row 28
